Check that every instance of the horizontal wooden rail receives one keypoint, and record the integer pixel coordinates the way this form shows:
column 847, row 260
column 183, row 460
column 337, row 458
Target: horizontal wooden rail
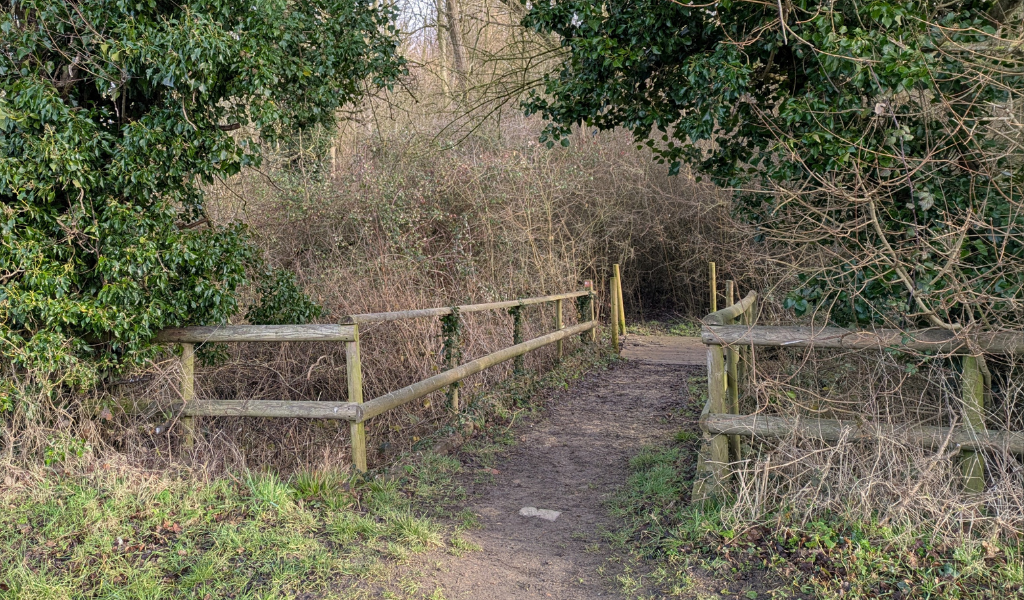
column 345, row 411
column 432, row 384
column 831, row 430
column 447, row 310
column 258, row 333
column 727, row 314
column 938, row 340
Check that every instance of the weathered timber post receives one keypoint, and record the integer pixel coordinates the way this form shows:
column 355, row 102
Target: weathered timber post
column 621, row 322
column 741, row 364
column 713, row 287
column 714, row 455
column 451, row 330
column 972, row 386
column 355, row 394
column 732, row 375
column 614, row 297
column 517, row 337
column 188, row 390
column 558, row 325
column 585, row 305
column 748, row 360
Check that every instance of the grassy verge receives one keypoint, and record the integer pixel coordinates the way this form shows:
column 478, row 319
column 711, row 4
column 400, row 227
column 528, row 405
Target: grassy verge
column 113, row 532
column 107, row 535
column 698, row 553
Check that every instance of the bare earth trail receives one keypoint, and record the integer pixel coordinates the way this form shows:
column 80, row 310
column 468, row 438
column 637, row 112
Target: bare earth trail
column 573, row 460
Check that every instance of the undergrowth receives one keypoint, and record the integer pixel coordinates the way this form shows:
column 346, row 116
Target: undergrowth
column 697, row 551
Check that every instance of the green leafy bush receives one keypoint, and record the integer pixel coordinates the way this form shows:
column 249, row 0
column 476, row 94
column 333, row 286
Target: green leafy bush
column 113, row 117
column 878, row 142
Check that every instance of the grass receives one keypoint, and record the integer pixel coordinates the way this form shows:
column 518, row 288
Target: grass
column 833, row 556
column 109, row 535
column 122, row 533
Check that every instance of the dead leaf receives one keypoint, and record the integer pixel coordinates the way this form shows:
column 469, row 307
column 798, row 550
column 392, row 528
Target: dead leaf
column 991, row 550
column 106, row 415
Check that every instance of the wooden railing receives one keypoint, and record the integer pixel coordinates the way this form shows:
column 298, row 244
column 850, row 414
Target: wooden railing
column 730, row 336
column 354, row 409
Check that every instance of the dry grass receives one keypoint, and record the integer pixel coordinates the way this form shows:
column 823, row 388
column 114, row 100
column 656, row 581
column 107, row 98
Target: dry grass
column 394, row 212
column 890, row 481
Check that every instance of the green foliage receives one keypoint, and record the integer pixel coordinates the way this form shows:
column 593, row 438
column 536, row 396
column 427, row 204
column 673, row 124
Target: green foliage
column 517, row 337
column 113, row 116
column 875, row 133
column 281, row 301
column 451, row 335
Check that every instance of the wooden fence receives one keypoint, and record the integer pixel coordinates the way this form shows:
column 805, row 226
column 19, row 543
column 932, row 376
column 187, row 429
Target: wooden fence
column 354, row 409
column 730, row 335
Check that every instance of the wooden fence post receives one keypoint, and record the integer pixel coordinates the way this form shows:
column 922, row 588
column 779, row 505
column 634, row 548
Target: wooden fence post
column 517, row 337
column 451, row 329
column 355, row 394
column 621, row 323
column 589, row 286
column 732, row 376
column 972, row 386
column 714, row 456
column 558, row 325
column 713, row 287
column 614, row 297
column 188, row 390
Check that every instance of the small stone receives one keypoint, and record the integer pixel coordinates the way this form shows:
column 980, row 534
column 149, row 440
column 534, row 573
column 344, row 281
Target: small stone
column 543, row 513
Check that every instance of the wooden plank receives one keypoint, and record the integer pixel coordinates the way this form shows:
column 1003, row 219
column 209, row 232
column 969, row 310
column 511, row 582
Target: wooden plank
column 938, row 340
column 354, row 368
column 727, row 314
column 972, row 391
column 447, row 310
column 665, row 349
column 257, row 333
column 830, row 430
column 345, row 411
column 432, row 384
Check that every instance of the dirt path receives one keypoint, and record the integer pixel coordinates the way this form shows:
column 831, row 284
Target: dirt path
column 571, row 461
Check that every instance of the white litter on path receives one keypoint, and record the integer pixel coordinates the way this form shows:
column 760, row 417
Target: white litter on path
column 543, row 513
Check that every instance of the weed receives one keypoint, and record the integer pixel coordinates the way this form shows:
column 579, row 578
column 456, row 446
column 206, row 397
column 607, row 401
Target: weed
column 682, row 436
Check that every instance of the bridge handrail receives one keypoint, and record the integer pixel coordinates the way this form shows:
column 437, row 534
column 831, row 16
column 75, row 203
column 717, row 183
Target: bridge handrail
column 354, row 411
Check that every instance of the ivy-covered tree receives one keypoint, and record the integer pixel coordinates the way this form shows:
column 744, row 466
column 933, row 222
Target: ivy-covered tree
column 114, row 114
column 881, row 140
